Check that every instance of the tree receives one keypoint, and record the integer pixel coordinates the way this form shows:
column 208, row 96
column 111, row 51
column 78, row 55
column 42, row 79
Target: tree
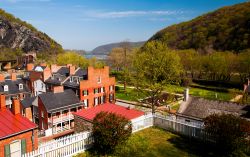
column 154, row 67
column 230, row 132
column 72, row 58
column 109, row 131
column 126, row 49
column 116, row 58
column 95, row 63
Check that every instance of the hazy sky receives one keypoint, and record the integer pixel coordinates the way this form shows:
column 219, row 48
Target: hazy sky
column 85, row 24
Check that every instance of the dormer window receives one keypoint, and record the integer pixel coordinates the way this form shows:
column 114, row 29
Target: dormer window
column 20, row 86
column 6, row 88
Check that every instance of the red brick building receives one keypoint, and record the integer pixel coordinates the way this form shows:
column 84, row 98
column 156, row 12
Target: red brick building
column 18, row 135
column 98, row 88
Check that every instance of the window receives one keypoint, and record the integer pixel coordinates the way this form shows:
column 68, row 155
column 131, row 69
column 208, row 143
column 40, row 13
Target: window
column 85, row 92
column 111, row 97
column 111, row 88
column 102, row 99
column 102, row 90
column 96, row 90
column 20, row 86
column 6, row 88
column 42, row 115
column 15, row 149
column 42, row 85
column 99, row 79
column 86, row 103
column 70, row 79
column 96, row 101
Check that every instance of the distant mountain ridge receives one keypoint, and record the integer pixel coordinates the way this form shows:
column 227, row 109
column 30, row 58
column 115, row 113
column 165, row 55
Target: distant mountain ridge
column 17, row 34
column 227, row 28
column 106, row 49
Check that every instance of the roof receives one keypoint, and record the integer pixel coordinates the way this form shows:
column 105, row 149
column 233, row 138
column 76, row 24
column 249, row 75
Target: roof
column 81, row 72
column 27, row 102
column 54, row 102
column 13, row 124
column 89, row 114
column 63, row 71
column 201, row 108
column 13, row 86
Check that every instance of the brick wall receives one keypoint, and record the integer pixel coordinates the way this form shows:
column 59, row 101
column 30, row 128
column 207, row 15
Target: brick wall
column 81, row 124
column 44, row 119
column 92, row 83
column 26, row 135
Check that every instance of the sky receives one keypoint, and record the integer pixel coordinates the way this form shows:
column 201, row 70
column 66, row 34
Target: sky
column 86, row 24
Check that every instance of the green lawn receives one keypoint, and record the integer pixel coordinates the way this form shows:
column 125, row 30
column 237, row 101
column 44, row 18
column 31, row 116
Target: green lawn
column 132, row 95
column 155, row 142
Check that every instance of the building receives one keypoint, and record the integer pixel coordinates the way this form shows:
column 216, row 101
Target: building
column 35, row 77
column 196, row 109
column 12, row 87
column 18, row 135
column 55, row 110
column 92, row 86
column 29, row 108
column 84, row 118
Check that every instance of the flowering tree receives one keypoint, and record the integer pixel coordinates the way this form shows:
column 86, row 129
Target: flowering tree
column 109, row 131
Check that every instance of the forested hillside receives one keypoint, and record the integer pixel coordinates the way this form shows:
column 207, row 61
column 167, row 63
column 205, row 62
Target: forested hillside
column 227, row 28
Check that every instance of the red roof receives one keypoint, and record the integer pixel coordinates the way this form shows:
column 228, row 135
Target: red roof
column 11, row 124
column 89, row 114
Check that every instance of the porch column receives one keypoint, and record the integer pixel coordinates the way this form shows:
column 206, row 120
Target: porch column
column 61, row 119
column 69, row 118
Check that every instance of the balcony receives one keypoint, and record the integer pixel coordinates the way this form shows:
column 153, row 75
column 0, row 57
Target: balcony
column 61, row 118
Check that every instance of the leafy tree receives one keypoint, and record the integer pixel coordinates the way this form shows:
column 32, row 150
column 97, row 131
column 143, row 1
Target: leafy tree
column 154, row 67
column 115, row 58
column 230, row 132
column 95, row 63
column 109, row 131
column 72, row 58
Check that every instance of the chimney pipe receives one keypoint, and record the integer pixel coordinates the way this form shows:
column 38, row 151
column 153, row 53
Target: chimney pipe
column 13, row 76
column 186, row 94
column 2, row 78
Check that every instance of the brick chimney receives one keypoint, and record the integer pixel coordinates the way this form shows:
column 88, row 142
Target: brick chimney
column 30, row 67
column 68, row 65
column 2, row 102
column 2, row 78
column 13, row 76
column 72, row 70
column 46, row 73
column 58, row 89
column 54, row 68
column 43, row 64
column 186, row 94
column 90, row 72
column 16, row 108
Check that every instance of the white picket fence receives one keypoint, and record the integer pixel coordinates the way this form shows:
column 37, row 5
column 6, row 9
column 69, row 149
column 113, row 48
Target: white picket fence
column 76, row 143
column 63, row 147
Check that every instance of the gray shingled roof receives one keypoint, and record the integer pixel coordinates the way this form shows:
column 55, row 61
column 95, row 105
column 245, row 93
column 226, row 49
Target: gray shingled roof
column 54, row 102
column 27, row 102
column 63, row 71
column 201, row 108
column 81, row 73
column 14, row 87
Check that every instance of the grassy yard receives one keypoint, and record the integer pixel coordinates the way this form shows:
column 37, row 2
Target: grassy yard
column 132, row 95
column 155, row 142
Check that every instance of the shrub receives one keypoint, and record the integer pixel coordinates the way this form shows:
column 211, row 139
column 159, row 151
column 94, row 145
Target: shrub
column 230, row 132
column 109, row 131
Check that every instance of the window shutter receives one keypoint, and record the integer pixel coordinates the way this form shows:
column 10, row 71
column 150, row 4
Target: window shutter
column 23, row 146
column 7, row 150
